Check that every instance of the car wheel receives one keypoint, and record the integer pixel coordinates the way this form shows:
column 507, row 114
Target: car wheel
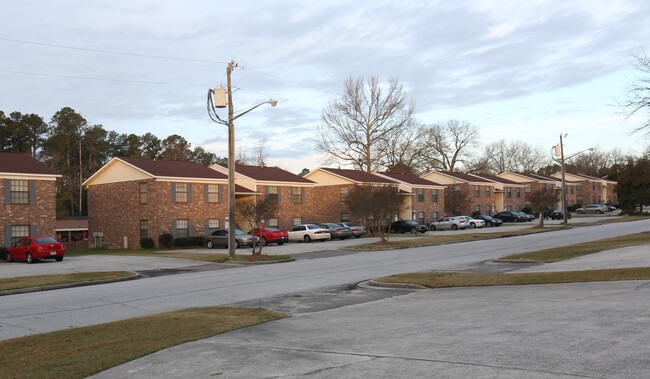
column 237, row 245
column 454, row 227
column 323, row 240
column 357, row 236
column 209, row 244
column 472, row 225
column 490, row 224
column 30, row 259
column 343, row 238
column 8, row 257
column 265, row 242
column 599, row 212
column 59, row 259
column 307, row 238
column 280, row 243
column 432, row 228
column 579, row 212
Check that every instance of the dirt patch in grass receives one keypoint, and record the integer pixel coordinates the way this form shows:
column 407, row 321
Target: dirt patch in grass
column 38, row 281
column 456, row 279
column 80, row 352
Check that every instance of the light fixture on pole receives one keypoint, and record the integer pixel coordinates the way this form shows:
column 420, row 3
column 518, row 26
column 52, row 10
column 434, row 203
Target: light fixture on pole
column 223, row 98
column 558, row 150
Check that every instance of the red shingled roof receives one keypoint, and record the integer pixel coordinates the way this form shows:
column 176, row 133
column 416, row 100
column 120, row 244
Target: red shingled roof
column 22, row 163
column 270, row 174
column 497, row 179
column 174, row 169
column 465, row 177
column 358, row 176
column 411, row 179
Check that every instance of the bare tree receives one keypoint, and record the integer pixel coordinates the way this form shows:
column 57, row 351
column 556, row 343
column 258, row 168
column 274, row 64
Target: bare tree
column 542, row 199
column 451, row 144
column 254, row 213
column 375, row 205
column 260, row 155
column 517, row 156
column 406, row 150
column 638, row 93
column 366, row 116
column 457, row 200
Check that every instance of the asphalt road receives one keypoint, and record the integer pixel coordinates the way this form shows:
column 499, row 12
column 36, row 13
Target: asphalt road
column 53, row 310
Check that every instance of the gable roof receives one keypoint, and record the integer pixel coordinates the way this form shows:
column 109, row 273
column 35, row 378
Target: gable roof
column 410, row 179
column 24, row 164
column 497, row 179
column 469, row 178
column 173, row 169
column 357, row 176
column 531, row 177
column 269, row 174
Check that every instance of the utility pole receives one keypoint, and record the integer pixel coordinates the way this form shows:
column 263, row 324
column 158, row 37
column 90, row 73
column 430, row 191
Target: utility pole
column 231, row 166
column 564, row 215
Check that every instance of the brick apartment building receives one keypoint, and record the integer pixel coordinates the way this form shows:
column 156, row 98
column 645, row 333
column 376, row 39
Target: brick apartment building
column 133, row 198
column 508, row 195
column 293, row 193
column 29, row 197
column 424, row 201
column 481, row 197
column 589, row 189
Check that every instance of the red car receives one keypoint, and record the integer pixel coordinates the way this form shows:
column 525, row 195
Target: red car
column 33, row 248
column 271, row 235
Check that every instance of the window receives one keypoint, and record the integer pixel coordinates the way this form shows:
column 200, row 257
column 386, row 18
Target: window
column 434, row 216
column 182, row 228
column 144, row 228
column 421, row 217
column 18, row 232
column 456, row 188
column 181, row 193
column 143, row 193
column 529, row 188
column 571, row 189
column 477, row 191
column 19, row 192
column 296, row 195
column 212, row 193
column 273, row 222
column 272, row 193
column 508, row 191
column 593, row 186
column 477, row 209
column 345, row 217
column 296, row 221
column 519, row 208
column 518, row 193
column 434, row 195
column 213, row 224
column 578, row 199
column 488, row 191
column 345, row 192
column 420, row 194
column 579, row 187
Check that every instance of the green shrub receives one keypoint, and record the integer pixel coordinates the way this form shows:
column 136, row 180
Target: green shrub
column 147, row 243
column 166, row 240
column 3, row 253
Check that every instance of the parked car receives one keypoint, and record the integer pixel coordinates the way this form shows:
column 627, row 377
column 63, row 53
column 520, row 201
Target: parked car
column 407, row 226
column 489, row 220
column 219, row 237
column 337, row 230
column 357, row 230
column 558, row 214
column 309, row 232
column 474, row 222
column 527, row 216
column 593, row 208
column 509, row 216
column 33, row 248
column 270, row 235
column 453, row 223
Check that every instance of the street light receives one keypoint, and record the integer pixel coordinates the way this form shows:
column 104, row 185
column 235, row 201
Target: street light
column 219, row 103
column 554, row 153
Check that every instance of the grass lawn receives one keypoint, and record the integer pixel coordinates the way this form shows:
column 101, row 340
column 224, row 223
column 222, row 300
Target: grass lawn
column 429, row 240
column 458, row 279
column 208, row 257
column 566, row 252
column 80, row 352
column 35, row 281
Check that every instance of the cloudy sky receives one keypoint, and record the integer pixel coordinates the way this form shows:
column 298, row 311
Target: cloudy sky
column 527, row 70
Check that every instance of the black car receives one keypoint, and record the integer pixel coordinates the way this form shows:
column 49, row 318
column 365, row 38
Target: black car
column 509, row 216
column 559, row 215
column 489, row 220
column 407, row 226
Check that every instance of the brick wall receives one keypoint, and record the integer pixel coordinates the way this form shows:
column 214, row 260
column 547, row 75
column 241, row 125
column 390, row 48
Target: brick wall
column 115, row 210
column 427, row 206
column 41, row 215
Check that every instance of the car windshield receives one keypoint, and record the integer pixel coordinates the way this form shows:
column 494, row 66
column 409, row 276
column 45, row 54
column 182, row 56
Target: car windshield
column 268, row 229
column 45, row 240
column 239, row 232
column 313, row 226
column 411, row 222
column 350, row 224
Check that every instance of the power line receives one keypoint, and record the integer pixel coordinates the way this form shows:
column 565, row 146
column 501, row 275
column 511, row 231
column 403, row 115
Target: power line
column 104, row 79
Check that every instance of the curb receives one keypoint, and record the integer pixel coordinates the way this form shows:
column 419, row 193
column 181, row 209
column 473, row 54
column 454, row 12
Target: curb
column 68, row 285
column 254, row 263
